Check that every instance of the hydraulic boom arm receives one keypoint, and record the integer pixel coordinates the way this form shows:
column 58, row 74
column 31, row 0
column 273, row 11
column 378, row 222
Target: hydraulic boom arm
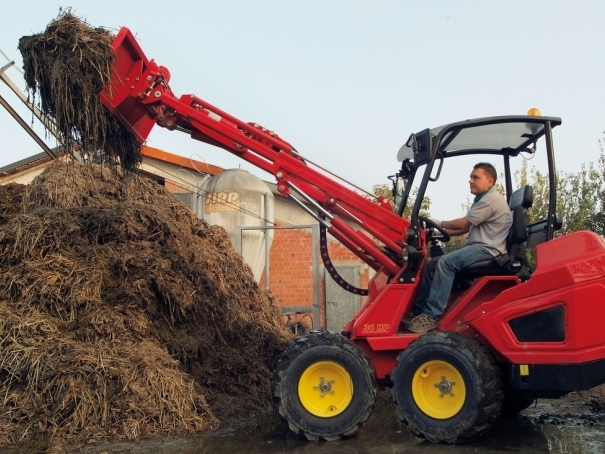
column 139, row 96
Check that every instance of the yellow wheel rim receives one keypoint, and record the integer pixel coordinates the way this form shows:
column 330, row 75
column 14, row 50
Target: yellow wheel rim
column 438, row 389
column 325, row 389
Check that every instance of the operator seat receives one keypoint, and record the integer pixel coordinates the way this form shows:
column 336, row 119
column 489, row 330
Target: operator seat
column 511, row 262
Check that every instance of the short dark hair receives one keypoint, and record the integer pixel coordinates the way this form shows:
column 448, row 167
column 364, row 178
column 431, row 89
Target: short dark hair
column 487, row 168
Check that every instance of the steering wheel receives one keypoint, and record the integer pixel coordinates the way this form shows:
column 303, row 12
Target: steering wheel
column 431, row 225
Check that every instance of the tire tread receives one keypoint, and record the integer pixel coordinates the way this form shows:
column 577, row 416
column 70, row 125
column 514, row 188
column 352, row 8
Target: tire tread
column 490, row 404
column 297, row 348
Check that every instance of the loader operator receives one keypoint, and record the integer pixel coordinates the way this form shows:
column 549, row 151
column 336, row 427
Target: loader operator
column 488, row 222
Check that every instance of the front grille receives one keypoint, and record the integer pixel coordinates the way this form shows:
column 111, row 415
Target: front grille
column 543, row 326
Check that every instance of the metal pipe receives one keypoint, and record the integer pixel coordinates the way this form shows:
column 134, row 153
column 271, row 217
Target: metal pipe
column 48, row 123
column 25, row 126
column 316, row 307
column 311, row 201
column 310, row 212
column 369, row 227
column 369, row 194
column 552, row 180
column 316, row 303
column 265, row 231
column 351, row 215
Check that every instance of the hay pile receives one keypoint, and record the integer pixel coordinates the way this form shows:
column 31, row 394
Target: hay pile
column 66, row 66
column 11, row 199
column 122, row 315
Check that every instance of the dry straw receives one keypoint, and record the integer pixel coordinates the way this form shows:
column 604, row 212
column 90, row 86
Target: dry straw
column 66, row 66
column 122, row 315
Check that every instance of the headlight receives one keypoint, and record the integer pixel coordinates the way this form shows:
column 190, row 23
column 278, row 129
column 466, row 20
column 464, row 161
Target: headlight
column 408, row 253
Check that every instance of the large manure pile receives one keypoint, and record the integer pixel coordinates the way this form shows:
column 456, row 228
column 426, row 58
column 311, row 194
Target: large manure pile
column 122, row 315
column 65, row 67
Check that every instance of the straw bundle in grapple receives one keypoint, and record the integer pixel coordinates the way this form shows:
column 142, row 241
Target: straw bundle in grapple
column 122, row 315
column 66, row 67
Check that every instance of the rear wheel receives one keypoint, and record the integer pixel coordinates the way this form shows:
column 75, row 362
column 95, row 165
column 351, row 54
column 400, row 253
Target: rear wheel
column 447, row 388
column 324, row 386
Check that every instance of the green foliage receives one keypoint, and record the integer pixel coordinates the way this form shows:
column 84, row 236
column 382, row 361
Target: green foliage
column 455, row 242
column 580, row 196
column 597, row 222
column 386, row 191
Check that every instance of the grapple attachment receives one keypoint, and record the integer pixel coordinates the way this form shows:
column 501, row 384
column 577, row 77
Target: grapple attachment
column 132, row 81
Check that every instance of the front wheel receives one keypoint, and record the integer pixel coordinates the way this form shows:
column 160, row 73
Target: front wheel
column 324, row 386
column 447, row 388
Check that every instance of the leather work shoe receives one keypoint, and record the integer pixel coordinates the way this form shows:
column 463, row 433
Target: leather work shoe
column 408, row 319
column 422, row 324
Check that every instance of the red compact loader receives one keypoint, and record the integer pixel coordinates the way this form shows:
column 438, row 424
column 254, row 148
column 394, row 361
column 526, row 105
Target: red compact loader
column 506, row 338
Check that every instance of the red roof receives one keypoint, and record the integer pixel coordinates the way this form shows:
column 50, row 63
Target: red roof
column 180, row 161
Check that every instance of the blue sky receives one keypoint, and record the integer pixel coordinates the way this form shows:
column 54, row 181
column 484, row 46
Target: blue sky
column 346, row 82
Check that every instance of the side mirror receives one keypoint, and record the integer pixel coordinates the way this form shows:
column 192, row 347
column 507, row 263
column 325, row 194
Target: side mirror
column 399, row 180
column 397, row 190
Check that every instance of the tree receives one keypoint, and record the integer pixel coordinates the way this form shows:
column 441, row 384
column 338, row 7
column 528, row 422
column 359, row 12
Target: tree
column 597, row 221
column 386, row 191
column 579, row 200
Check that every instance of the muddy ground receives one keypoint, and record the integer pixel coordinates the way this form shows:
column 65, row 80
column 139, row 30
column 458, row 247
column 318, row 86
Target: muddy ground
column 570, row 425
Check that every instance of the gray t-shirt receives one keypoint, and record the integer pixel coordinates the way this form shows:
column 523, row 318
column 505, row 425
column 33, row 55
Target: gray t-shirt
column 490, row 220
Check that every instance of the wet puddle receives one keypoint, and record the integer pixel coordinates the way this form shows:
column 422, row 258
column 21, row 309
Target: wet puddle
column 569, row 428
column 547, row 427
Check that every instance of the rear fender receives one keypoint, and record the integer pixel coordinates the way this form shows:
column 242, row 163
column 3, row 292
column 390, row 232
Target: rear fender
column 555, row 317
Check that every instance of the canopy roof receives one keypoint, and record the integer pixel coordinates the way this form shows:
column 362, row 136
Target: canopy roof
column 506, row 134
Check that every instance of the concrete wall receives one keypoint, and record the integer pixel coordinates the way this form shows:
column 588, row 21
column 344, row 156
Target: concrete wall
column 25, row 173
column 176, row 176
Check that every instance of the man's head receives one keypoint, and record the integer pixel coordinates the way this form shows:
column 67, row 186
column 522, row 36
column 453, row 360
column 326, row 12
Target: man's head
column 483, row 177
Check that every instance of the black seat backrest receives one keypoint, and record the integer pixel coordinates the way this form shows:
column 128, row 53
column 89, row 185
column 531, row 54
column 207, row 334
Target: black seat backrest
column 523, row 197
column 519, row 202
column 512, row 261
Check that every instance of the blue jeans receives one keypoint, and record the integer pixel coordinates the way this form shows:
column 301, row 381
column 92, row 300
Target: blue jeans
column 438, row 277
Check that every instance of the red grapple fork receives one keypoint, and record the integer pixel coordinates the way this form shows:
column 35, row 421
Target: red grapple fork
column 133, row 76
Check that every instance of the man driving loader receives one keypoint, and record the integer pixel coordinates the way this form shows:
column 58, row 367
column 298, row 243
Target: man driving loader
column 487, row 222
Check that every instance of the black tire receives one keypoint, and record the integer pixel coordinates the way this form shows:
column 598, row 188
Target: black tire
column 295, row 393
column 432, row 403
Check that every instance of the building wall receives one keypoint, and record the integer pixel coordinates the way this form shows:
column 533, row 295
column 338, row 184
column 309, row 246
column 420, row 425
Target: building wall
column 291, row 271
column 176, row 177
column 291, row 262
column 24, row 177
column 26, row 173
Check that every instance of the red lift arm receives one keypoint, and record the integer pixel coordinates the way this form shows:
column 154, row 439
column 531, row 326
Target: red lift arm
column 139, row 96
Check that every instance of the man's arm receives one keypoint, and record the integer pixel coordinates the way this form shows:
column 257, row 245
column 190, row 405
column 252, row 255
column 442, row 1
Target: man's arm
column 456, row 227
